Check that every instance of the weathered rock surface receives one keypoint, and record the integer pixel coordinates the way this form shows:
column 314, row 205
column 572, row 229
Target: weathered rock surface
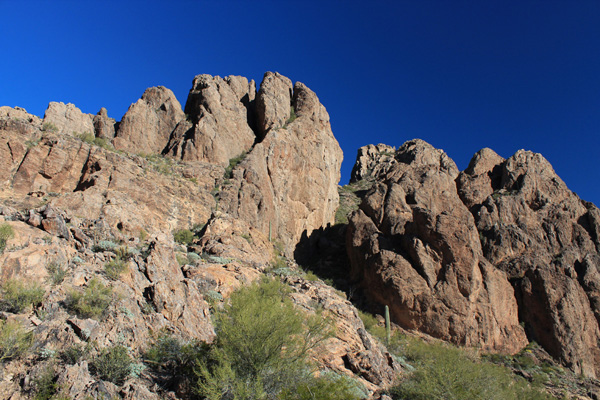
column 68, row 119
column 273, row 103
column 372, row 161
column 287, row 184
column 220, row 118
column 104, row 126
column 147, row 126
column 545, row 238
column 414, row 246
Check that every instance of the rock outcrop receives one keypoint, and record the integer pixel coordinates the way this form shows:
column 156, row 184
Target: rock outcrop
column 68, row 119
column 219, row 120
column 469, row 256
column 104, row 126
column 146, row 127
column 287, row 184
column 545, row 239
column 414, row 246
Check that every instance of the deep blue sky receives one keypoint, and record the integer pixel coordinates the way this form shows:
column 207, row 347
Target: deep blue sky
column 461, row 75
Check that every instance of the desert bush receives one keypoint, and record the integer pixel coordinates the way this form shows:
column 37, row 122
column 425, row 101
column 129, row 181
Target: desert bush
column 92, row 301
column 261, row 346
column 14, row 340
column 183, row 236
column 49, row 127
column 16, row 296
column 233, row 162
column 447, row 372
column 6, row 232
column 112, row 364
column 115, row 267
column 72, row 354
column 57, row 272
column 46, row 387
column 327, row 386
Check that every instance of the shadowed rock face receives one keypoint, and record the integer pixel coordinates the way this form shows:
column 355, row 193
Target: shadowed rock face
column 414, row 245
column 469, row 256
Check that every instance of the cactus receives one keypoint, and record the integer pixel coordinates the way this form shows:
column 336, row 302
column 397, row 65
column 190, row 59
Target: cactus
column 388, row 327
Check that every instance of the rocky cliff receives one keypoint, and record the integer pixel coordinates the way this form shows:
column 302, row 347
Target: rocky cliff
column 93, row 205
column 495, row 256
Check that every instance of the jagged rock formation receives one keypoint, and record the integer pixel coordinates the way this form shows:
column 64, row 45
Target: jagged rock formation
column 146, row 127
column 104, row 126
column 219, row 125
column 468, row 257
column 372, row 161
column 415, row 247
column 287, row 184
column 545, row 239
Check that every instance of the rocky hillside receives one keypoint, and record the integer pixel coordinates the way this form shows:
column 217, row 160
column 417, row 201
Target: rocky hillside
column 123, row 245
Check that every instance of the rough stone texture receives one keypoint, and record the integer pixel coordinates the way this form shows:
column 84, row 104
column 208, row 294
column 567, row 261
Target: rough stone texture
column 273, row 102
column 68, row 118
column 220, row 119
column 546, row 239
column 104, row 127
column 372, row 161
column 414, row 246
column 288, row 182
column 147, row 125
column 129, row 193
column 353, row 351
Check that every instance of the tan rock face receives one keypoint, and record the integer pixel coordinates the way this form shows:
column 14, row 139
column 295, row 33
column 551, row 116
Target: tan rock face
column 68, row 119
column 104, row 126
column 545, row 238
column 273, row 103
column 288, row 182
column 219, row 126
column 147, row 125
column 414, row 245
column 372, row 160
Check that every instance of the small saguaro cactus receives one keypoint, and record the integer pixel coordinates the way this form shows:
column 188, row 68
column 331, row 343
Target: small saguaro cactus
column 388, row 326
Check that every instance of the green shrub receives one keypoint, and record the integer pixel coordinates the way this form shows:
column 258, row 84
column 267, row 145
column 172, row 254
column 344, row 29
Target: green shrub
column 18, row 296
column 115, row 267
column 14, row 340
column 72, row 354
column 447, row 372
column 292, row 117
column 113, row 364
column 92, row 301
column 49, row 127
column 57, row 272
column 6, row 232
column 174, row 359
column 183, row 236
column 327, row 386
column 45, row 384
column 261, row 346
column 233, row 162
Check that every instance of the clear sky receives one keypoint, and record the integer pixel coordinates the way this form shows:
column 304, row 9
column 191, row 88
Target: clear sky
column 461, row 75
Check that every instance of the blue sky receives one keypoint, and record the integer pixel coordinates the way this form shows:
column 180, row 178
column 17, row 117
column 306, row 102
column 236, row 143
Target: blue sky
column 461, row 75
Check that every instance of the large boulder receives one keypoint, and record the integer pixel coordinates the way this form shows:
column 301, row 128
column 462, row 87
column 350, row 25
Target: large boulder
column 68, row 119
column 546, row 240
column 104, row 126
column 219, row 120
column 414, row 246
column 274, row 102
column 146, row 127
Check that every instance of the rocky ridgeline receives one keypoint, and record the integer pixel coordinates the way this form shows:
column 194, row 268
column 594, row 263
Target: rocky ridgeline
column 493, row 257
column 83, row 193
